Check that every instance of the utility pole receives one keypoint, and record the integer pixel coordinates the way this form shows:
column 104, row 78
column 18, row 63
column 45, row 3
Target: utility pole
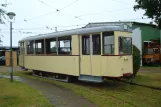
column 11, row 16
column 11, row 61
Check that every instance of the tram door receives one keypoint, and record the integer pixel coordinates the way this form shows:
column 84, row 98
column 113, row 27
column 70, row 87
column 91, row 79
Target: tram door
column 96, row 54
column 85, row 58
column 91, row 55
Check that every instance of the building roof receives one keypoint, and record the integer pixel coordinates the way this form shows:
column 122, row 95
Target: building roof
column 96, row 24
column 8, row 47
column 75, row 32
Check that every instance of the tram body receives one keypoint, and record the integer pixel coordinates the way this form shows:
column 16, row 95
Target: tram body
column 90, row 54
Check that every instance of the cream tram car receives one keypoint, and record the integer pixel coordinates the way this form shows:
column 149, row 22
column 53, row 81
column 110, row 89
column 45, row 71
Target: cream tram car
column 88, row 54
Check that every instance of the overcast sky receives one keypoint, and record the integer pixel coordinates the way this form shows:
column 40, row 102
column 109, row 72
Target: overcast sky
column 41, row 15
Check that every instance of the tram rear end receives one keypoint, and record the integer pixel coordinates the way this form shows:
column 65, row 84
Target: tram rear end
column 119, row 61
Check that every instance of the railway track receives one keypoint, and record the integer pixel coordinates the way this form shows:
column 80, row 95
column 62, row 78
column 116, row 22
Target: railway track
column 118, row 80
column 132, row 83
column 102, row 89
column 105, row 86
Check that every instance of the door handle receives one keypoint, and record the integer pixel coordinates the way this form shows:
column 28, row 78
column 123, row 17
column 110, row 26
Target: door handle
column 125, row 58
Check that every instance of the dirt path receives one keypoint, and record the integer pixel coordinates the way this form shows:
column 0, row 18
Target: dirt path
column 58, row 96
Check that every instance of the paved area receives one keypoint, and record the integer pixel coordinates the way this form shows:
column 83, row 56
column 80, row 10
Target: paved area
column 59, row 96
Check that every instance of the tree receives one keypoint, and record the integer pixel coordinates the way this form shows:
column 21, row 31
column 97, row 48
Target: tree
column 136, row 60
column 2, row 14
column 152, row 9
column 2, row 17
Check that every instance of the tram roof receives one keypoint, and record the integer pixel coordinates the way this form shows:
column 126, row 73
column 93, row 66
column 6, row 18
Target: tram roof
column 78, row 31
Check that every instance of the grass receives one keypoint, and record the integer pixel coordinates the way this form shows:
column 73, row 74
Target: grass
column 148, row 78
column 16, row 94
column 154, row 67
column 113, row 94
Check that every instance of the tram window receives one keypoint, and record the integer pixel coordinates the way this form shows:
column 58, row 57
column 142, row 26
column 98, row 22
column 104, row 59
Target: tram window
column 108, row 43
column 125, row 45
column 65, row 45
column 30, row 47
column 39, row 46
column 85, row 45
column 51, row 46
column 96, row 44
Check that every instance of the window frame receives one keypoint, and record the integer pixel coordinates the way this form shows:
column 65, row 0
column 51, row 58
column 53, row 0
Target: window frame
column 110, row 33
column 82, row 43
column 119, row 45
column 69, row 38
column 98, row 35
column 42, row 47
column 30, row 51
column 48, row 49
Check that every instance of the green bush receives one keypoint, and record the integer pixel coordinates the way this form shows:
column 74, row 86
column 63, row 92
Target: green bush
column 136, row 60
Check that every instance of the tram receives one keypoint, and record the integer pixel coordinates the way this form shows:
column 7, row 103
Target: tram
column 88, row 54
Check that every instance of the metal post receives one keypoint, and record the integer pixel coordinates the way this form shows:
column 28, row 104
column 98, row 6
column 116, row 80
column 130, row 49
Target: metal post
column 11, row 63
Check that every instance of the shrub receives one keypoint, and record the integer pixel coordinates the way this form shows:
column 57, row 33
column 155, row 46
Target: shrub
column 136, row 60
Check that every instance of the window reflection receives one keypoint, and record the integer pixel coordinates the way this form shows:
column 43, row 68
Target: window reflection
column 125, row 45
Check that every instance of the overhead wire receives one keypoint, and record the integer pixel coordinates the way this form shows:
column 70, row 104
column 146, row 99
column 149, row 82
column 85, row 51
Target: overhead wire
column 38, row 30
column 57, row 10
column 47, row 4
column 64, row 8
column 56, row 26
column 72, row 25
column 110, row 10
column 103, row 12
column 67, row 26
column 69, row 4
column 134, row 19
column 77, row 17
column 39, row 16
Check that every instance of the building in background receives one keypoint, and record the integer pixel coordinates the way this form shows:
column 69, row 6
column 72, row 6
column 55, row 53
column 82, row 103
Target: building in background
column 3, row 49
column 141, row 32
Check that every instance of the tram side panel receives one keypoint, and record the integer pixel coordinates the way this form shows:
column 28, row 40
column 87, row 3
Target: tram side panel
column 116, row 66
column 68, row 65
column 21, row 60
column 21, row 57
